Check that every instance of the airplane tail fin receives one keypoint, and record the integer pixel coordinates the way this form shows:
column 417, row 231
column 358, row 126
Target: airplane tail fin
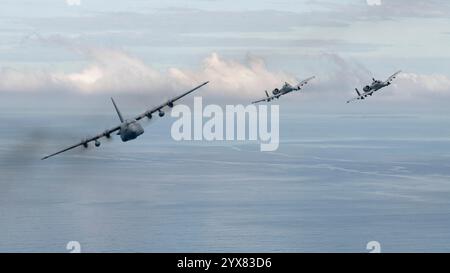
column 117, row 110
column 357, row 92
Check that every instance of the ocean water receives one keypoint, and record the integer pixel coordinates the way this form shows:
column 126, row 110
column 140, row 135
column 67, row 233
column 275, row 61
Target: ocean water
column 335, row 183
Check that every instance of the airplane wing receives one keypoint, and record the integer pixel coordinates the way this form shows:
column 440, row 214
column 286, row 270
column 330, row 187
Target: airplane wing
column 391, row 78
column 356, row 98
column 267, row 99
column 304, row 82
column 168, row 103
column 261, row 100
column 361, row 96
column 108, row 133
column 85, row 142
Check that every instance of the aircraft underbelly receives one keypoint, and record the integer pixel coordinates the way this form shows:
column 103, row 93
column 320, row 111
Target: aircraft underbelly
column 131, row 132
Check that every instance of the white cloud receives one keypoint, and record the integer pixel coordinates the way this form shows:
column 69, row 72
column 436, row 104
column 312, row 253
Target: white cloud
column 433, row 83
column 116, row 71
column 26, row 80
column 230, row 77
column 411, row 85
column 111, row 71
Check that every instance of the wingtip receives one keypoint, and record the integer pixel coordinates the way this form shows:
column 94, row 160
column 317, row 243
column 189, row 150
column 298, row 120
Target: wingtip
column 46, row 157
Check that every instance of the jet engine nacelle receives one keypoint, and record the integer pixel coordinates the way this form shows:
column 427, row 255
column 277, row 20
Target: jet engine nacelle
column 161, row 113
column 276, row 91
column 97, row 143
column 366, row 88
column 170, row 104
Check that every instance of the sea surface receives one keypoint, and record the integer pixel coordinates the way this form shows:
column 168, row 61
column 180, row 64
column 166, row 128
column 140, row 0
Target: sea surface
column 336, row 183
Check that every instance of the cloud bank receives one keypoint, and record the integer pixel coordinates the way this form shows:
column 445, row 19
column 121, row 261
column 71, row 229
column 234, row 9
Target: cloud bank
column 116, row 71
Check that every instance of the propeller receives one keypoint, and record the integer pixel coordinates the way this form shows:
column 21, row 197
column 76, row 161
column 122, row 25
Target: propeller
column 150, row 119
column 108, row 136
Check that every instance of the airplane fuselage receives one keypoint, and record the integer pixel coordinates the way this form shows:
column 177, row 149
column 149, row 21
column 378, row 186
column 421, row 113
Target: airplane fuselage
column 130, row 130
column 284, row 90
column 375, row 86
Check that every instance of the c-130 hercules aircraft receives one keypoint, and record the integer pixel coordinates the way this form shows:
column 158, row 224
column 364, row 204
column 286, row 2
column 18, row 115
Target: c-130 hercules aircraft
column 127, row 129
column 287, row 88
column 374, row 87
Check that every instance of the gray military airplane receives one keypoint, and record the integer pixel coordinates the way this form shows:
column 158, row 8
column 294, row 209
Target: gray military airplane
column 374, row 87
column 287, row 88
column 127, row 129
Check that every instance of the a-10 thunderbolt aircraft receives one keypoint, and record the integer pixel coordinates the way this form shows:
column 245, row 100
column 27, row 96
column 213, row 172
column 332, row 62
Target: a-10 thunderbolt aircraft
column 286, row 89
column 373, row 87
column 127, row 129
